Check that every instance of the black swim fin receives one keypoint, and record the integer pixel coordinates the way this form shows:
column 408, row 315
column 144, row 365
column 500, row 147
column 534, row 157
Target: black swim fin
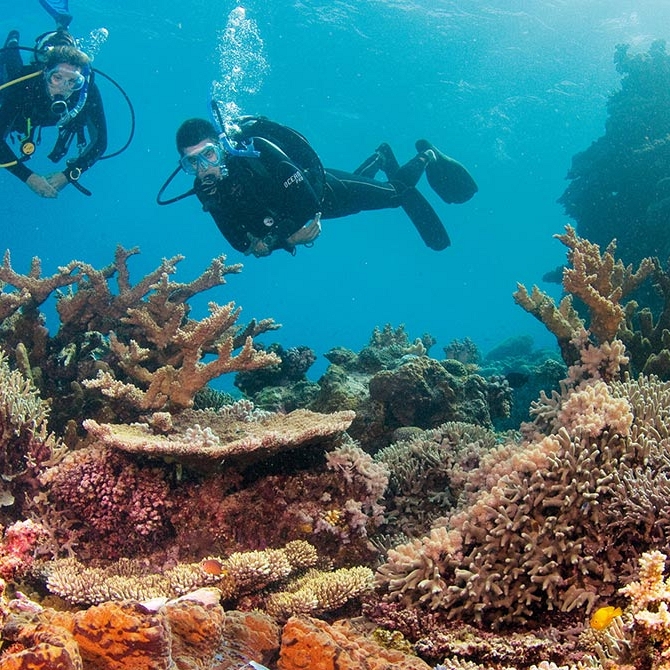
column 447, row 177
column 417, row 208
column 425, row 219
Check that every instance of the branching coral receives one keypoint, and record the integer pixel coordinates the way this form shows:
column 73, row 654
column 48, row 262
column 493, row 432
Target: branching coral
column 599, row 281
column 138, row 342
column 542, row 535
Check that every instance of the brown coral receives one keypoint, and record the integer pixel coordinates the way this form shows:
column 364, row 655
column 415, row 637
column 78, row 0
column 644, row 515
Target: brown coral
column 210, row 436
column 599, row 281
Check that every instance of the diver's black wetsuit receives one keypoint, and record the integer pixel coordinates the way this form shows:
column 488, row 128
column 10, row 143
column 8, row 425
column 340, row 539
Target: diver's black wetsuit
column 27, row 105
column 270, row 197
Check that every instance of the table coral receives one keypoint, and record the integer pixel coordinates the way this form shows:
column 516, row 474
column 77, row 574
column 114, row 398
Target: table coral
column 216, row 436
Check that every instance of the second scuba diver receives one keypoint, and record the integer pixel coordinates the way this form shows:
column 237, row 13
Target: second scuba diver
column 56, row 89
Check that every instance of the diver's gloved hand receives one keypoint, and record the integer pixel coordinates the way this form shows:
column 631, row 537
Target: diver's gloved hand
column 307, row 233
column 40, row 185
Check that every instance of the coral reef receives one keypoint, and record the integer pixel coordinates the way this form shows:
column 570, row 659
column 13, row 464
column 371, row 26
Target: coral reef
column 619, row 185
column 136, row 344
column 491, row 550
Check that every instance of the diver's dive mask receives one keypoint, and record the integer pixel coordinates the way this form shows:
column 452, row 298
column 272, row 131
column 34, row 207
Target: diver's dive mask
column 210, row 155
column 65, row 79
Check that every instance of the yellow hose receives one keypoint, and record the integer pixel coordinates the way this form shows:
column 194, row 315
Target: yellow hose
column 20, row 79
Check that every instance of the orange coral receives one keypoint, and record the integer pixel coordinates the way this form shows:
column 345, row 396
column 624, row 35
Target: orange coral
column 310, row 643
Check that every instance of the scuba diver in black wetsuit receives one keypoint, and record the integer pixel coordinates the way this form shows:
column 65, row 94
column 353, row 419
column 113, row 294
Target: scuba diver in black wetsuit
column 266, row 188
column 57, row 89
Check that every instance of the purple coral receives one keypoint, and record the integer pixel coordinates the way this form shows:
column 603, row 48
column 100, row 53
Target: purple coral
column 123, row 506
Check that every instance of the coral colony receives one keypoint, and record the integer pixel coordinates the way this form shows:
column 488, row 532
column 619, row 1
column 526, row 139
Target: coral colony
column 152, row 522
column 403, row 511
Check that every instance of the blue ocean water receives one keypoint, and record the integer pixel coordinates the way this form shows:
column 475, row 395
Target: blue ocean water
column 511, row 88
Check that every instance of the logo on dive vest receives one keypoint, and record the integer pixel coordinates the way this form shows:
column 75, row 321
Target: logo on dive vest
column 295, row 178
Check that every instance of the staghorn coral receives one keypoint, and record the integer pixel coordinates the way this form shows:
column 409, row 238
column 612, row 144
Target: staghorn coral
column 599, row 281
column 547, row 533
column 137, row 344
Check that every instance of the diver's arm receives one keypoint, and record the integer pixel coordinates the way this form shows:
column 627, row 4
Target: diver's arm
column 9, row 110
column 234, row 233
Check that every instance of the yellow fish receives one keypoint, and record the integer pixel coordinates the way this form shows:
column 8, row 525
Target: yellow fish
column 603, row 616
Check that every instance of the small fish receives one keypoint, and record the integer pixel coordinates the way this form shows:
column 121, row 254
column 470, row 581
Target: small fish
column 211, row 566
column 604, row 616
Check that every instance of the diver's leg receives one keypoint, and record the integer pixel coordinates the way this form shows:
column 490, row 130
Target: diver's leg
column 347, row 193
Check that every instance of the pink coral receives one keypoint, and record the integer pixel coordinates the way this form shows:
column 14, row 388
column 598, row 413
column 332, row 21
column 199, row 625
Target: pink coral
column 18, row 547
column 591, row 409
